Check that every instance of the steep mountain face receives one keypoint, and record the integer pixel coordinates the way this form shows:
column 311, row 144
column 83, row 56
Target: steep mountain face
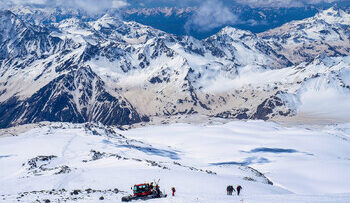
column 326, row 33
column 77, row 96
column 117, row 72
column 43, row 78
column 247, row 48
column 20, row 40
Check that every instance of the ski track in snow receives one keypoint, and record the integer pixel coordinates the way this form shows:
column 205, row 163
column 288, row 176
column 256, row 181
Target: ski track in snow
column 66, row 146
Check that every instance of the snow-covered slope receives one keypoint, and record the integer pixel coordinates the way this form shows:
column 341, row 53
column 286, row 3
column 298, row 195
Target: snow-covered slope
column 320, row 89
column 327, row 33
column 82, row 162
column 245, row 48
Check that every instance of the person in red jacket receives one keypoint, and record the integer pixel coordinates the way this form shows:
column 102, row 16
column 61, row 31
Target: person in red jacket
column 239, row 188
column 173, row 190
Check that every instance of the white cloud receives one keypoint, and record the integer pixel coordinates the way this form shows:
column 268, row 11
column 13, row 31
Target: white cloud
column 23, row 2
column 282, row 3
column 92, row 6
column 119, row 4
column 211, row 14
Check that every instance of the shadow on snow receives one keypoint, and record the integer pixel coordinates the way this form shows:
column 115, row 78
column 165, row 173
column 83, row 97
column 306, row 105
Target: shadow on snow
column 153, row 151
column 246, row 162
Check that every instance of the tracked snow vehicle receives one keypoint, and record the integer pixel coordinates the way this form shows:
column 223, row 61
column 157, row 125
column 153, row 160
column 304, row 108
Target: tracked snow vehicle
column 144, row 192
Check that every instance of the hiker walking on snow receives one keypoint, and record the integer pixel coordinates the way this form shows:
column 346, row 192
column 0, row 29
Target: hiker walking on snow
column 239, row 188
column 173, row 190
column 229, row 190
column 157, row 191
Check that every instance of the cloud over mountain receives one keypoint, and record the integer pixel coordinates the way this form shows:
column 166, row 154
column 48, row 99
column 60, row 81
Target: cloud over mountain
column 211, row 14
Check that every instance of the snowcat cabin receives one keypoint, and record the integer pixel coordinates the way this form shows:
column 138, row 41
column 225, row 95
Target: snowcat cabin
column 142, row 190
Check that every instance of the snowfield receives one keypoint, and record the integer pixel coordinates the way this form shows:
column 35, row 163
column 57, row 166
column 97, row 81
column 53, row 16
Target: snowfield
column 88, row 162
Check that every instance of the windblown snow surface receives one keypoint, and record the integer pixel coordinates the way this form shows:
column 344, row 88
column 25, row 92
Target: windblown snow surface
column 64, row 162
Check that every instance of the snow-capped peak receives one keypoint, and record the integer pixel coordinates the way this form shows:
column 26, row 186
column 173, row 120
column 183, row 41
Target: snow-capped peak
column 106, row 21
column 334, row 15
column 235, row 33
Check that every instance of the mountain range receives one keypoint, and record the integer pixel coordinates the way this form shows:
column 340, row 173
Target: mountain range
column 178, row 19
column 84, row 69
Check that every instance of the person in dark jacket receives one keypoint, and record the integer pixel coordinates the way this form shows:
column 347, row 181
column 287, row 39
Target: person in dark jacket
column 239, row 188
column 157, row 191
column 229, row 190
